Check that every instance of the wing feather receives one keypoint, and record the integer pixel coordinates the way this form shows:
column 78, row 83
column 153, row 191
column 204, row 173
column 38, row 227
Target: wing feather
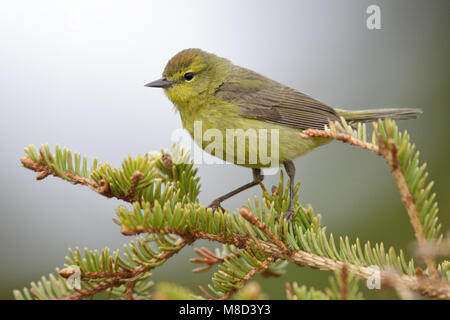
column 264, row 99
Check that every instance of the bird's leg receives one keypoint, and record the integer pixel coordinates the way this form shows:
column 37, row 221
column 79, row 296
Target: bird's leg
column 290, row 170
column 257, row 178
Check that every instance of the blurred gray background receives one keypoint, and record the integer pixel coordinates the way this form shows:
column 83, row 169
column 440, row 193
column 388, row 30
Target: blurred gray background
column 72, row 73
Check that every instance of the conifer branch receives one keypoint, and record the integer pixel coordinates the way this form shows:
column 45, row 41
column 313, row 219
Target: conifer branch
column 44, row 171
column 208, row 258
column 263, row 266
column 171, row 291
column 339, row 136
column 389, row 150
column 163, row 190
column 433, row 288
column 129, row 292
column 385, row 141
column 83, row 294
column 126, row 276
column 343, row 273
column 135, row 178
column 289, row 292
column 429, row 250
column 247, row 215
column 343, row 286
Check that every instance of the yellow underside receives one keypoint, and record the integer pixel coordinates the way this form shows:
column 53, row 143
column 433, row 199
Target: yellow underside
column 217, row 119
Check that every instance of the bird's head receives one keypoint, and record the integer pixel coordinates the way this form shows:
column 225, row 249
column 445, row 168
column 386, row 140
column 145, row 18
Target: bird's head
column 191, row 76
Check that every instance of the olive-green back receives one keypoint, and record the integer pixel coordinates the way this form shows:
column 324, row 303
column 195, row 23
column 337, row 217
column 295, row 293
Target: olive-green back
column 267, row 100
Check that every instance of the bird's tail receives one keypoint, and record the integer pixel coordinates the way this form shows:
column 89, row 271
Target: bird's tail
column 375, row 114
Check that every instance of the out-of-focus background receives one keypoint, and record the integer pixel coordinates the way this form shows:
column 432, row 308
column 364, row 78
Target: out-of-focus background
column 72, row 73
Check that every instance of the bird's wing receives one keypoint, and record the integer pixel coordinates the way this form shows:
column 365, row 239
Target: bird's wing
column 263, row 99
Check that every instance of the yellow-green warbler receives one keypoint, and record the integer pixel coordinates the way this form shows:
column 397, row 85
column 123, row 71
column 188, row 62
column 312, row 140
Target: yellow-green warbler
column 211, row 90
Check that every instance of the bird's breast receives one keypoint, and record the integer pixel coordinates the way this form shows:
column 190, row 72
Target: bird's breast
column 222, row 131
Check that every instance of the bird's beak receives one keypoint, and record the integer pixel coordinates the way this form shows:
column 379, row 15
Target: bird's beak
column 160, row 83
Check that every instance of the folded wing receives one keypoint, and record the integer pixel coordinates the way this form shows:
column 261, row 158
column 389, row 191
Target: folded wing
column 263, row 99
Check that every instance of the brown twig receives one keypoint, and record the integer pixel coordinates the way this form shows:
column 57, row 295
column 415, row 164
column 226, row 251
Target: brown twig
column 129, row 276
column 434, row 250
column 264, row 265
column 43, row 171
column 437, row 289
column 168, row 163
column 340, row 136
column 275, row 248
column 129, row 291
column 208, row 258
column 247, row 215
column 405, row 293
column 82, row 294
column 207, row 294
column 289, row 293
column 131, row 194
column 36, row 295
column 344, row 281
column 429, row 287
column 125, row 273
column 389, row 151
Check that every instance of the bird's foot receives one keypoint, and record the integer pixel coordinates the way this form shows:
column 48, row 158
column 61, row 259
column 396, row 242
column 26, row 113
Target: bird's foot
column 288, row 215
column 215, row 205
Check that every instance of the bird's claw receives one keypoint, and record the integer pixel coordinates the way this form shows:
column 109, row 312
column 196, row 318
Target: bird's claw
column 288, row 215
column 215, row 205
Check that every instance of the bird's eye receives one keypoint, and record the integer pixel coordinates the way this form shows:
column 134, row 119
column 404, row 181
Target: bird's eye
column 189, row 76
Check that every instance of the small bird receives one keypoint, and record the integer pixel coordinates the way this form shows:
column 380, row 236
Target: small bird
column 207, row 88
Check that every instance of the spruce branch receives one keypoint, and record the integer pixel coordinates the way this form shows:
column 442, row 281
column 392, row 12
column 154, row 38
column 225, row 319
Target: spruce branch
column 129, row 292
column 262, row 266
column 103, row 271
column 289, row 292
column 238, row 282
column 208, row 258
column 163, row 189
column 251, row 291
column 138, row 179
column 297, row 292
column 343, row 285
column 430, row 251
column 337, row 133
column 127, row 276
column 389, row 150
column 247, row 215
column 171, row 291
column 404, row 164
column 444, row 269
column 343, row 273
column 45, row 169
column 350, row 257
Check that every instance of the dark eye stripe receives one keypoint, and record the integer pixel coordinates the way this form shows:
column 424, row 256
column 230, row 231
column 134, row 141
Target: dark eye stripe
column 189, row 76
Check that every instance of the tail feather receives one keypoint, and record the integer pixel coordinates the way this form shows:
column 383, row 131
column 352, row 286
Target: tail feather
column 375, row 114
